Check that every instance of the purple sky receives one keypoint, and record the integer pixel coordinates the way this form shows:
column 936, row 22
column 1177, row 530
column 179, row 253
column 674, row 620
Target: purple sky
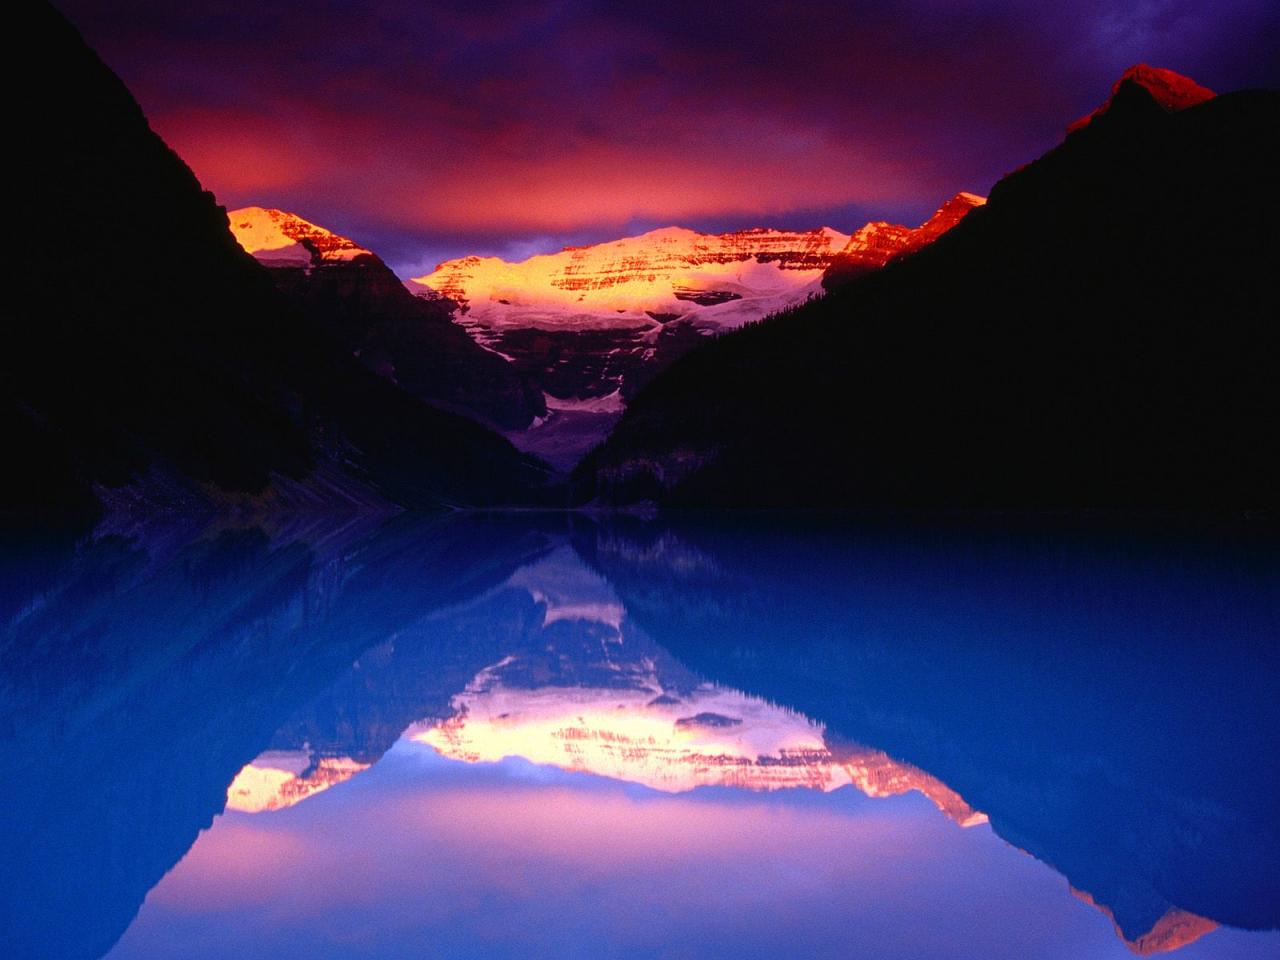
column 432, row 130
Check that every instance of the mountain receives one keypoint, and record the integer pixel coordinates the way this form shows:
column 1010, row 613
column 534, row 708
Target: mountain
column 176, row 369
column 1100, row 333
column 715, row 281
column 592, row 325
column 409, row 340
column 877, row 243
column 1170, row 90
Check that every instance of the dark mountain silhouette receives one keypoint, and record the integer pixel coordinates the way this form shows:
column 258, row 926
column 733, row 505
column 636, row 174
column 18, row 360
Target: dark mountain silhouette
column 1170, row 90
column 411, row 340
column 142, row 342
column 1103, row 332
column 878, row 243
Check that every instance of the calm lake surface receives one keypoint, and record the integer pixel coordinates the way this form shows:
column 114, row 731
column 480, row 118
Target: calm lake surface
column 534, row 737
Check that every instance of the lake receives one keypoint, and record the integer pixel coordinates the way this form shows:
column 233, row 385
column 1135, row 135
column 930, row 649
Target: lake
column 535, row 735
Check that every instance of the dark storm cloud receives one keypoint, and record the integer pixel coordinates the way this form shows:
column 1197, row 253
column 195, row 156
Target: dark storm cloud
column 431, row 129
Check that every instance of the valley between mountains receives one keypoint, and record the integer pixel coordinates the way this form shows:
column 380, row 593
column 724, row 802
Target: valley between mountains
column 1099, row 332
column 582, row 330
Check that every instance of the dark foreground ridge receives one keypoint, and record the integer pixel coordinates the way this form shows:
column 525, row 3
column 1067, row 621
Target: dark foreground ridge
column 1101, row 333
column 163, row 360
column 410, row 340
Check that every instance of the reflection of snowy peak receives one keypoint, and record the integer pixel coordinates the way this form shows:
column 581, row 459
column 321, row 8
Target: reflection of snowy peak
column 877, row 774
column 578, row 686
column 641, row 732
column 593, row 694
column 1175, row 929
column 281, row 778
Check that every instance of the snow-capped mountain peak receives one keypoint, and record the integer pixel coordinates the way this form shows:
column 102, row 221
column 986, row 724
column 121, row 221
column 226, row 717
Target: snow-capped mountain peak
column 592, row 324
column 278, row 238
column 642, row 281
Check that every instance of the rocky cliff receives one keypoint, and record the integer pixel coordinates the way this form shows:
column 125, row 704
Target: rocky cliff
column 592, row 325
column 410, row 340
column 1168, row 89
column 178, row 363
column 876, row 244
column 658, row 277
column 1099, row 333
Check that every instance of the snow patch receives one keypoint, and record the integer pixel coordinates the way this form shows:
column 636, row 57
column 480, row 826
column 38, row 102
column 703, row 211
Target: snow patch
column 611, row 403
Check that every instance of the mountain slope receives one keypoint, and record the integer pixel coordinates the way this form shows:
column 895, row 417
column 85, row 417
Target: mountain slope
column 592, row 325
column 1102, row 332
column 179, row 358
column 362, row 304
column 878, row 243
column 1170, row 90
column 715, row 281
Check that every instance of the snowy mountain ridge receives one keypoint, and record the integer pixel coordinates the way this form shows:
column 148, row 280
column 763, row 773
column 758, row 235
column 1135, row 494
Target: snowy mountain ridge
column 719, row 280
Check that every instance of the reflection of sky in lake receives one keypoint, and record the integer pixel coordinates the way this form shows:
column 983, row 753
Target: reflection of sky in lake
column 423, row 856
column 505, row 738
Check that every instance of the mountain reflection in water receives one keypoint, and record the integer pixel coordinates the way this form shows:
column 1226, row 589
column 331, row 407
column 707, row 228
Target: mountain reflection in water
column 514, row 737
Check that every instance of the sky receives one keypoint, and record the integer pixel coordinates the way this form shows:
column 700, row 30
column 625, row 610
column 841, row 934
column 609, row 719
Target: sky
column 433, row 130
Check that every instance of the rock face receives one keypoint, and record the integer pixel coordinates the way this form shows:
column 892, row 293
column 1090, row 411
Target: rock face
column 633, row 289
column 280, row 239
column 1170, row 90
column 592, row 325
column 180, row 359
column 718, row 281
column 873, row 246
column 410, row 340
column 1074, row 342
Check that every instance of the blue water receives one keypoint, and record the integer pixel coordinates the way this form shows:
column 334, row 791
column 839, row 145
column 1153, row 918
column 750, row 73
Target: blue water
column 534, row 737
